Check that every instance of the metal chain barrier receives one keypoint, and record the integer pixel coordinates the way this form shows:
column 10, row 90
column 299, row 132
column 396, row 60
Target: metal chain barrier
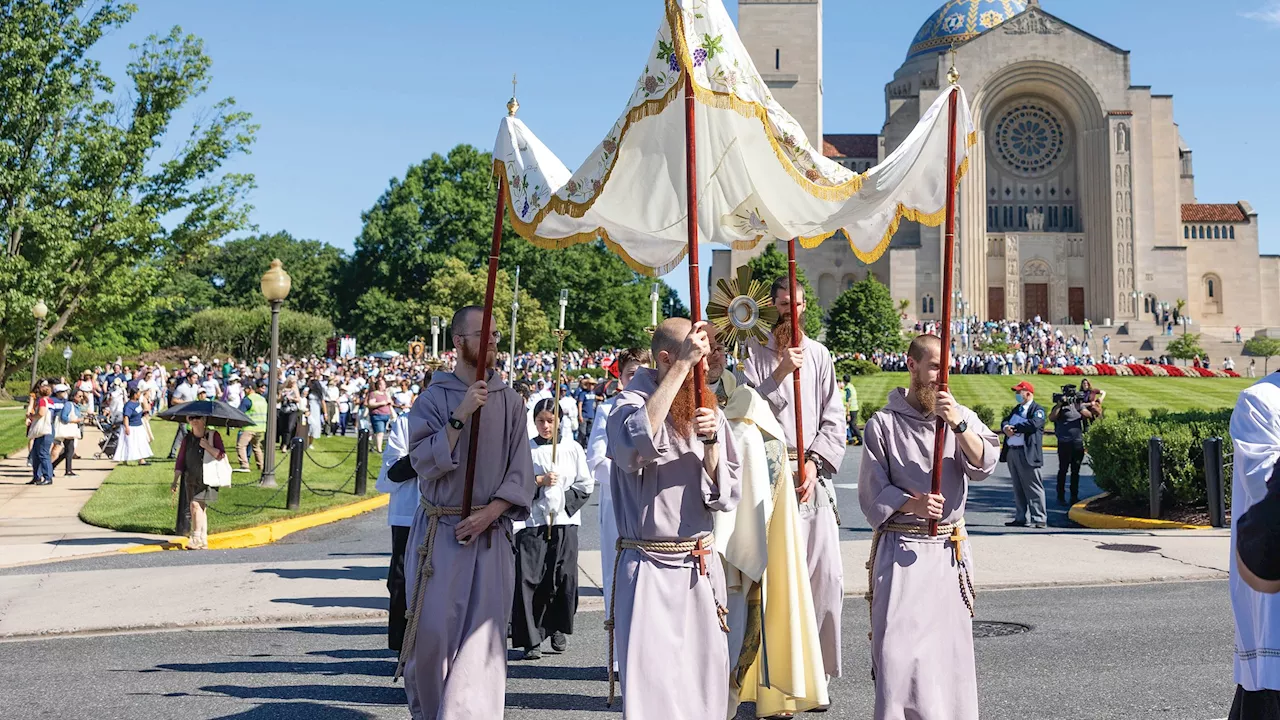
column 307, row 452
column 259, row 508
column 283, row 457
column 329, row 493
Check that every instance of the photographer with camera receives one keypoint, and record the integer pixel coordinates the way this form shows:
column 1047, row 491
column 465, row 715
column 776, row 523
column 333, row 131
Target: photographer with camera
column 1071, row 411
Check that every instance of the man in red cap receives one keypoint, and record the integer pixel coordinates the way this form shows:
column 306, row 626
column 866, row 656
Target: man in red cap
column 1023, row 450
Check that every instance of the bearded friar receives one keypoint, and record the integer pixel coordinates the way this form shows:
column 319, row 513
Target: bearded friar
column 920, row 588
column 460, row 581
column 769, row 369
column 675, row 465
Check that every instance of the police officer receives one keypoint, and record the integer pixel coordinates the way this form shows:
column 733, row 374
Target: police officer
column 1023, row 431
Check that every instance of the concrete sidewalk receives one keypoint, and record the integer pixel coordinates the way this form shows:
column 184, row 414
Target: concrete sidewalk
column 41, row 524
column 56, row 603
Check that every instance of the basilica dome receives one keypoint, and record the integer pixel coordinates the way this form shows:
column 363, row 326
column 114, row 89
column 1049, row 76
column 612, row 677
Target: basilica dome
column 960, row 20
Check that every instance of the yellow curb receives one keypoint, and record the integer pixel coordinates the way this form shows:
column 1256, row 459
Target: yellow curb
column 1102, row 521
column 271, row 532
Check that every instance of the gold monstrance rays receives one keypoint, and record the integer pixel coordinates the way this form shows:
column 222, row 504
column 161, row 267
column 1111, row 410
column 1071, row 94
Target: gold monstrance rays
column 740, row 309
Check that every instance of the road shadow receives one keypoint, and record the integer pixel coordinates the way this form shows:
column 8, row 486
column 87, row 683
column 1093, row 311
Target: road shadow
column 297, row 711
column 372, row 668
column 350, row 572
column 343, row 630
column 366, row 695
column 118, row 539
column 364, row 554
column 536, row 671
column 559, row 701
column 370, row 603
column 355, row 654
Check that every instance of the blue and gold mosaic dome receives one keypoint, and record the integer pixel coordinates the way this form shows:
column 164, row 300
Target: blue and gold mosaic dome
column 961, row 20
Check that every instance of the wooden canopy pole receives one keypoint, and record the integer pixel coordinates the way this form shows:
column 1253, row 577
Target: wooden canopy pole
column 948, row 277
column 795, row 376
column 691, row 191
column 486, row 333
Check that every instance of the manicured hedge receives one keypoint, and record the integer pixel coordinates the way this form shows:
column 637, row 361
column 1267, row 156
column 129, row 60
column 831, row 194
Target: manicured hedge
column 247, row 333
column 1117, row 448
column 856, row 367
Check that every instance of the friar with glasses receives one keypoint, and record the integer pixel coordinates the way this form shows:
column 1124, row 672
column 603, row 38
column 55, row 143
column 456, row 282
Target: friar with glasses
column 460, row 573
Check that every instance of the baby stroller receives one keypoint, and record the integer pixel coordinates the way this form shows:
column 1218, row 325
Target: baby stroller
column 110, row 438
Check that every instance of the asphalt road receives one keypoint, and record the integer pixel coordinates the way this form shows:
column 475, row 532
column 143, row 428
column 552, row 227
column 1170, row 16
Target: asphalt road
column 1131, row 652
column 990, row 505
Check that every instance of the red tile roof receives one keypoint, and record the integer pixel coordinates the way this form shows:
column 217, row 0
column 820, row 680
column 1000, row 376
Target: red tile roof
column 851, row 146
column 1231, row 213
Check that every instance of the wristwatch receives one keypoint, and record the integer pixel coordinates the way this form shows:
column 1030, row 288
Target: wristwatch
column 455, row 423
column 711, row 439
column 961, row 428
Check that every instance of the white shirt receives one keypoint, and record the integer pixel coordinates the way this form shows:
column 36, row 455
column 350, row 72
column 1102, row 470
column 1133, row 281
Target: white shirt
column 571, row 468
column 1255, row 433
column 211, row 388
column 184, row 393
column 404, row 496
column 235, row 393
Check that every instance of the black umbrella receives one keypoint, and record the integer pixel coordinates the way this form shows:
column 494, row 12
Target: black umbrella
column 215, row 411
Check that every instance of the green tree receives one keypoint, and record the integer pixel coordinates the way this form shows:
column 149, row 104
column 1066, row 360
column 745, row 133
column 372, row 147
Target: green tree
column 93, row 219
column 1263, row 347
column 864, row 319
column 442, row 209
column 771, row 265
column 1186, row 347
column 455, row 287
column 236, row 269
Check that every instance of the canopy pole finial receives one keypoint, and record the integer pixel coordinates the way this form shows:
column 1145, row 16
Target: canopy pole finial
column 513, row 105
column 953, row 75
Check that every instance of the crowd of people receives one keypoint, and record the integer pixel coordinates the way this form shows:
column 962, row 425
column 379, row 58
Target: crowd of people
column 1010, row 347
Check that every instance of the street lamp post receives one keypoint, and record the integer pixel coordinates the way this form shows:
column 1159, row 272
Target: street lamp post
column 39, row 311
column 66, row 355
column 276, row 284
column 435, row 337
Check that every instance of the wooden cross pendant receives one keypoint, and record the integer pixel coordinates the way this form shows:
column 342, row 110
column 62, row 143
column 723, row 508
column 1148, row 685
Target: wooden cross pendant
column 700, row 554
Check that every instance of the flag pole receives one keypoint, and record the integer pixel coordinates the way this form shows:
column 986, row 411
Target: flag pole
column 691, row 191
column 948, row 277
column 486, row 330
column 795, row 376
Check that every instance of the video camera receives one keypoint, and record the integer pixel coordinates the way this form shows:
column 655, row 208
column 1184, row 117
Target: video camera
column 1070, row 395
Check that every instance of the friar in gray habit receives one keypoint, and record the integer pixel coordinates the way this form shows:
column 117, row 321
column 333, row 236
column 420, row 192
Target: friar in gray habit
column 674, row 465
column 921, row 586
column 769, row 369
column 460, row 573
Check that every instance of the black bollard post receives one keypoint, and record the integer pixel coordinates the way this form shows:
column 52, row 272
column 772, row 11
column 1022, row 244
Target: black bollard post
column 362, row 463
column 1213, row 482
column 183, row 524
column 1155, row 473
column 296, row 448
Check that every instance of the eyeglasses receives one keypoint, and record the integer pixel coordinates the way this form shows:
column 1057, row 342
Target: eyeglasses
column 496, row 334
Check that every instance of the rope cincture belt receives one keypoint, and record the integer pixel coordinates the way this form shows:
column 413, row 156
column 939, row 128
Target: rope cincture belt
column 957, row 536
column 425, row 571
column 698, row 547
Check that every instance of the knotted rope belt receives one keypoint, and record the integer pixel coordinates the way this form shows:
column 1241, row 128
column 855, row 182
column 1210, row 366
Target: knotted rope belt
column 682, row 546
column 957, row 536
column 425, row 571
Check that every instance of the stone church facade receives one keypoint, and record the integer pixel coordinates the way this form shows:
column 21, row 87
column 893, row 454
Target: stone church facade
column 1080, row 199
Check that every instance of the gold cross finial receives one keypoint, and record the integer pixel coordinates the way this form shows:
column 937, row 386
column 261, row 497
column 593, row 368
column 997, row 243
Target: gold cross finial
column 513, row 105
column 953, row 75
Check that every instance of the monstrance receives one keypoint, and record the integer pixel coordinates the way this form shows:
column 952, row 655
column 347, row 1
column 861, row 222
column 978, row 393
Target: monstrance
column 741, row 310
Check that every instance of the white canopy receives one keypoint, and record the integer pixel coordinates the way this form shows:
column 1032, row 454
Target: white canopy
column 758, row 176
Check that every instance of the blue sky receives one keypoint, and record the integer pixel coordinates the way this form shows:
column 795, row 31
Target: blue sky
column 350, row 94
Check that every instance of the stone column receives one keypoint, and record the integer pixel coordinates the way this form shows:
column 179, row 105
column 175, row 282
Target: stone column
column 972, row 242
column 1012, row 278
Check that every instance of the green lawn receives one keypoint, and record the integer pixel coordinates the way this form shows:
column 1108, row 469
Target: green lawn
column 13, row 430
column 1141, row 393
column 137, row 499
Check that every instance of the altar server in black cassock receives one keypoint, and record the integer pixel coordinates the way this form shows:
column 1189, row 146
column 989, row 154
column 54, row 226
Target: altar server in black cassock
column 546, row 597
